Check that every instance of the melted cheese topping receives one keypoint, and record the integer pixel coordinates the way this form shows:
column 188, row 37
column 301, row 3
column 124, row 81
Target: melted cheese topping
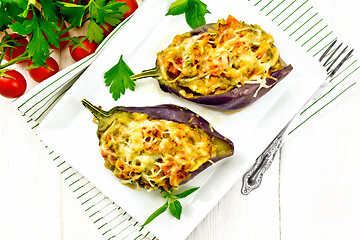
column 217, row 61
column 153, row 153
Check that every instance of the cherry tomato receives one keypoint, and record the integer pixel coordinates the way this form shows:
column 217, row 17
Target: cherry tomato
column 132, row 4
column 14, row 52
column 107, row 28
column 41, row 73
column 78, row 53
column 12, row 84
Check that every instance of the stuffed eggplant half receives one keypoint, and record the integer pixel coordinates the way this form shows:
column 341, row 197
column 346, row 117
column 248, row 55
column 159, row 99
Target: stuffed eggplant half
column 159, row 146
column 224, row 66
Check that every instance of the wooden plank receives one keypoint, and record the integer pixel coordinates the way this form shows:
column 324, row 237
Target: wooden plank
column 320, row 175
column 255, row 216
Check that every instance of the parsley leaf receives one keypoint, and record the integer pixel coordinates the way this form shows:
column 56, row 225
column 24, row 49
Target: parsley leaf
column 74, row 13
column 24, row 28
column 118, row 78
column 38, row 47
column 49, row 28
column 114, row 12
column 194, row 10
column 94, row 32
column 101, row 11
column 49, row 10
column 9, row 13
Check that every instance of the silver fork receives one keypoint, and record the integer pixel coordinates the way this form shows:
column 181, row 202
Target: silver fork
column 252, row 178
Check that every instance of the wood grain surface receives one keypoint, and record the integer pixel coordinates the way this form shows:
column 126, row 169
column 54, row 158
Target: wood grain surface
column 310, row 192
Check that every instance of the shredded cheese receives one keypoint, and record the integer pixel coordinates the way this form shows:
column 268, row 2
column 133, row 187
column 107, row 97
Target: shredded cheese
column 153, row 153
column 214, row 62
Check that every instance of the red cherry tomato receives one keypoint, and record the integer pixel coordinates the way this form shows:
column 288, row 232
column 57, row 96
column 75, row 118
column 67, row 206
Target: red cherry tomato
column 78, row 53
column 41, row 73
column 132, row 4
column 12, row 84
column 107, row 28
column 16, row 51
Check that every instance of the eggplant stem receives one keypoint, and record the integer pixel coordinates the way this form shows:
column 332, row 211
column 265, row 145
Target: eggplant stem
column 154, row 72
column 97, row 112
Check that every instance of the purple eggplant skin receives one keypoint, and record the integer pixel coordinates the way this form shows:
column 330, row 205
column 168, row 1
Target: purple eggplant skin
column 236, row 98
column 202, row 29
column 173, row 113
column 179, row 114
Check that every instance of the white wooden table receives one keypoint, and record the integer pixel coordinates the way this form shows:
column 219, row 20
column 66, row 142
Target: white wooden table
column 310, row 192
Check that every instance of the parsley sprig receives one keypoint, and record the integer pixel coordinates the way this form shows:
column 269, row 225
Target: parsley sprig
column 100, row 11
column 194, row 10
column 38, row 48
column 172, row 203
column 46, row 14
column 11, row 11
column 118, row 78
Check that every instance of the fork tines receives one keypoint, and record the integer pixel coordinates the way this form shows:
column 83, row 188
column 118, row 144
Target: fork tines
column 332, row 72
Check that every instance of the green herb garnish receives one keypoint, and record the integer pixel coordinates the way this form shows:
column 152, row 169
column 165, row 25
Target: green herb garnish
column 194, row 10
column 39, row 20
column 38, row 47
column 172, row 203
column 118, row 78
column 100, row 11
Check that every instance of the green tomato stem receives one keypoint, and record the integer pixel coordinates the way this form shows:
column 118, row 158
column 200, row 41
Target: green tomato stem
column 23, row 56
column 66, row 30
column 86, row 19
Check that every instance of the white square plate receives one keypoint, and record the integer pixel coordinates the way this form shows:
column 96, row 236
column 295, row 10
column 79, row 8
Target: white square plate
column 69, row 129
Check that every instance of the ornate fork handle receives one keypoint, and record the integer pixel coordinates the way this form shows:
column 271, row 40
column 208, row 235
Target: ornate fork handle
column 253, row 177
